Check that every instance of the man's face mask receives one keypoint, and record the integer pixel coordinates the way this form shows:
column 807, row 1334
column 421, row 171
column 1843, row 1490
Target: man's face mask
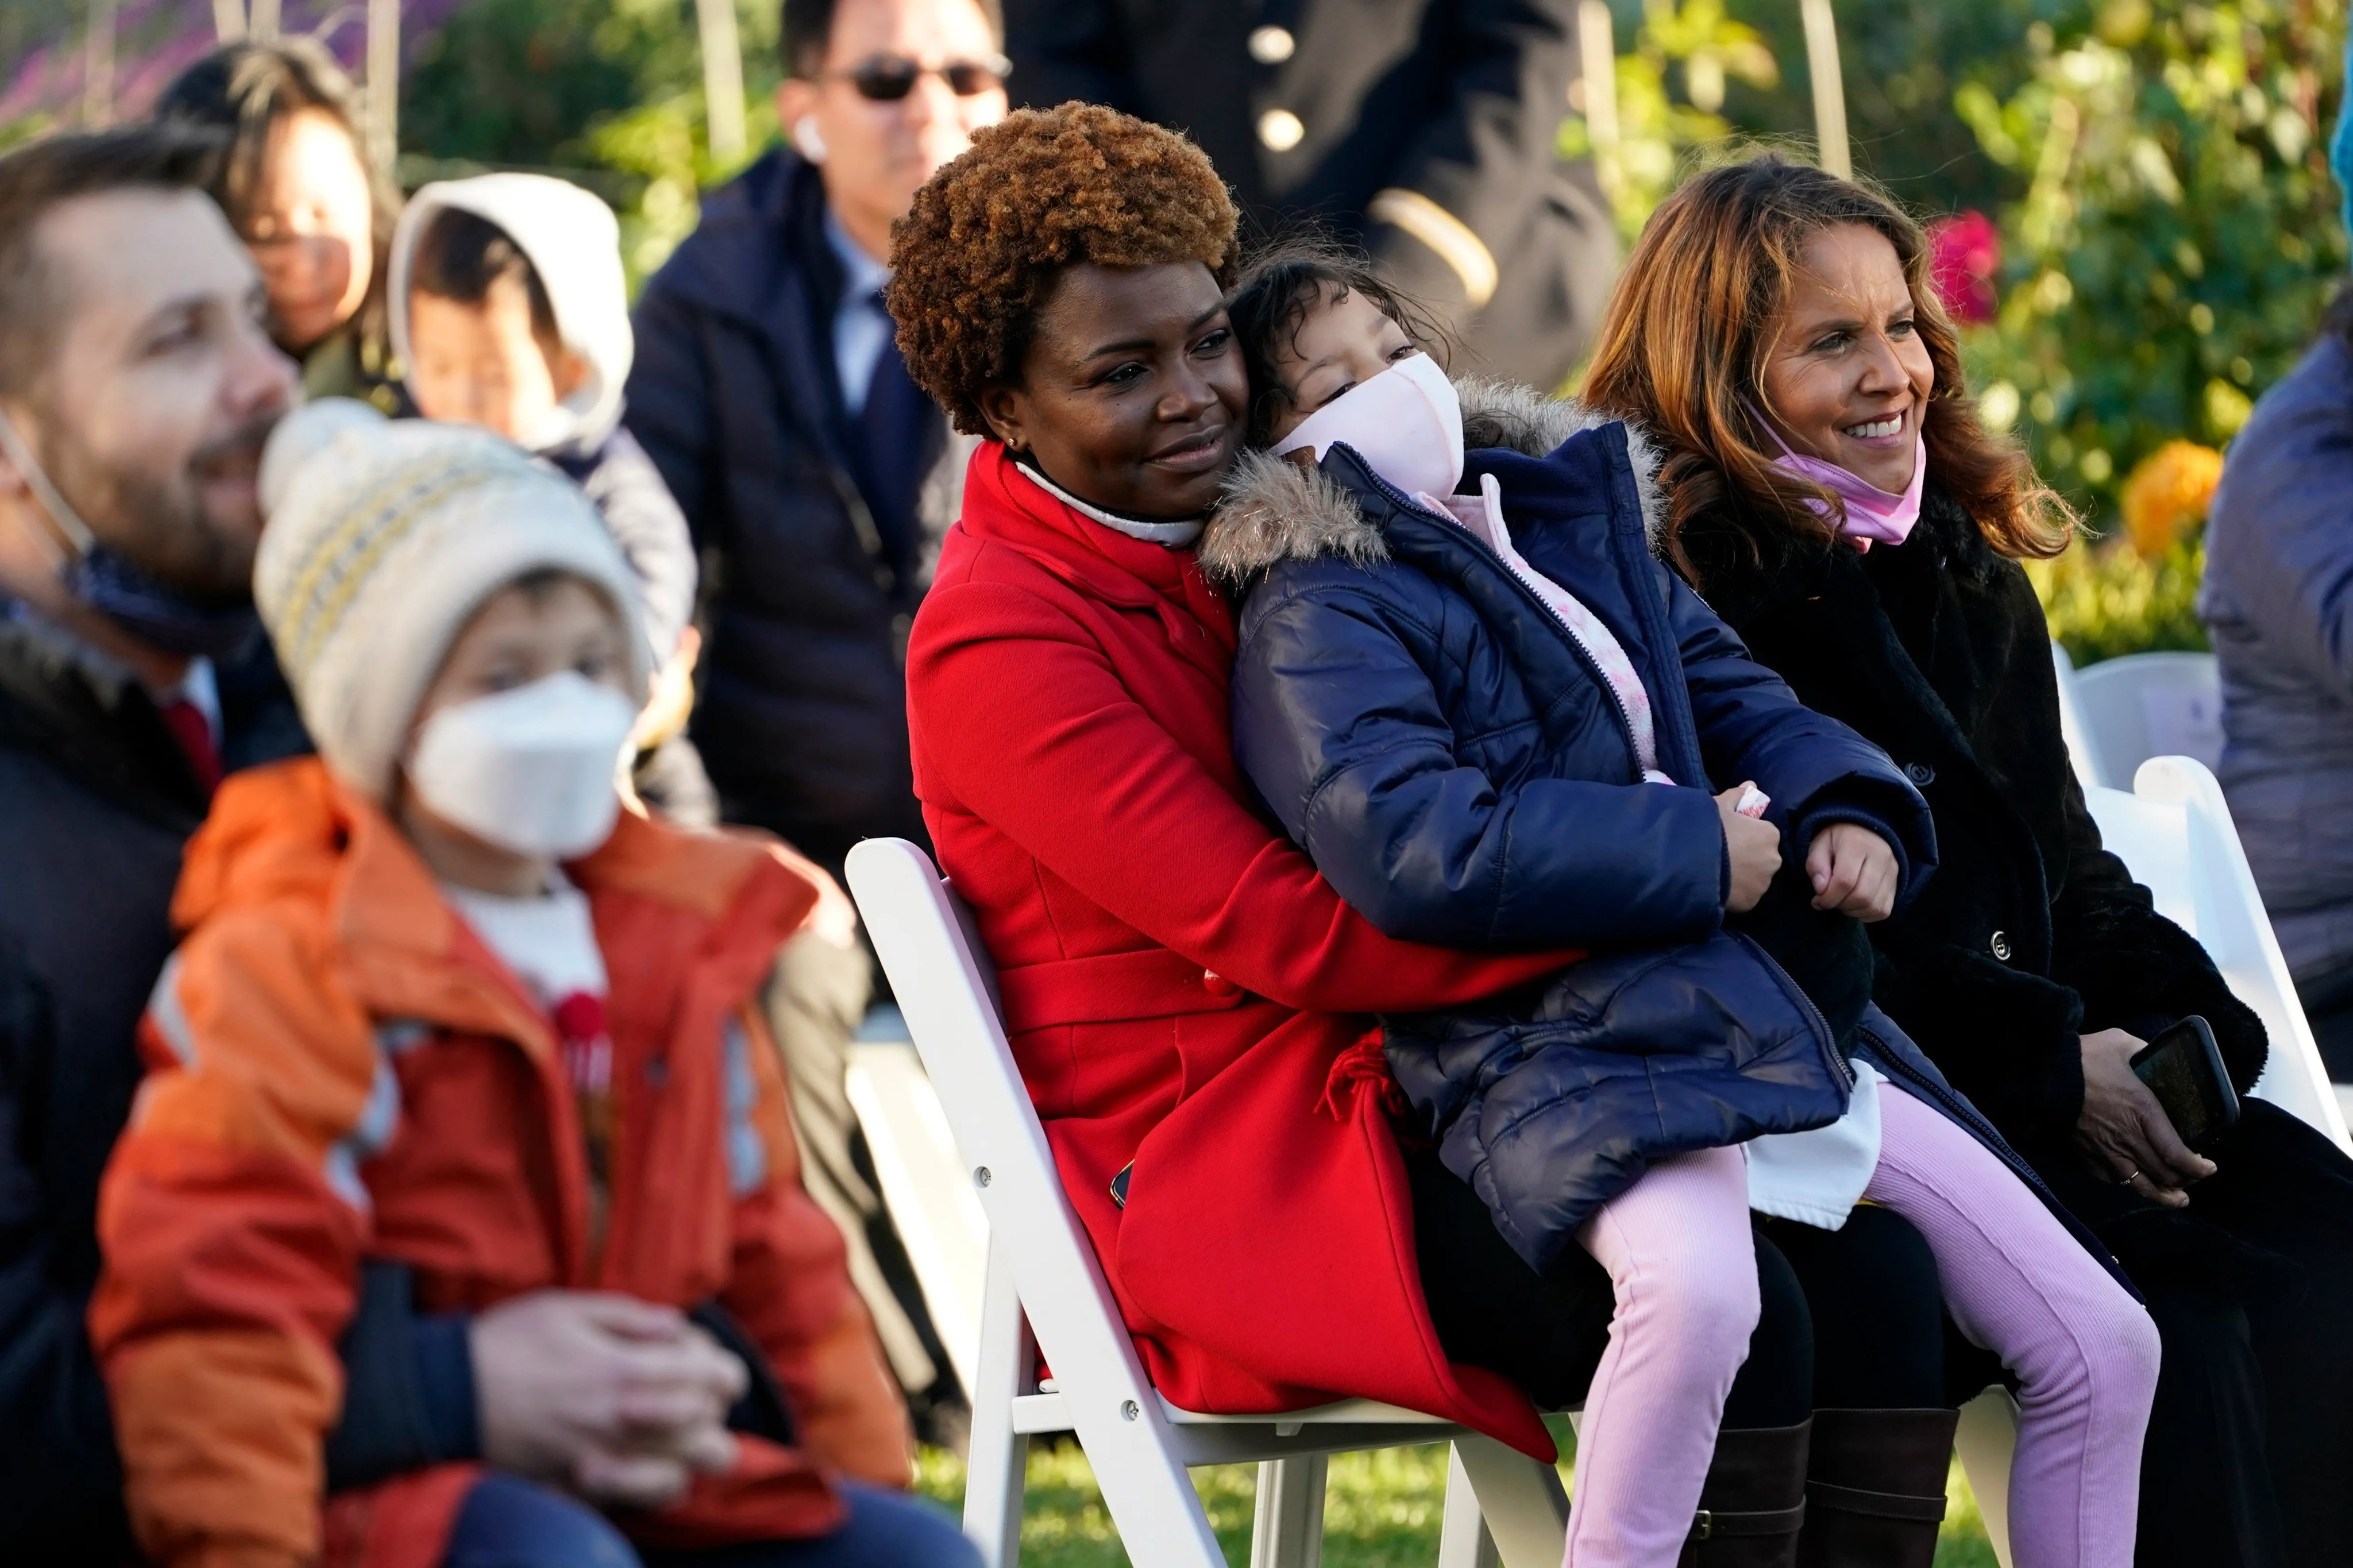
column 109, row 582
column 531, row 769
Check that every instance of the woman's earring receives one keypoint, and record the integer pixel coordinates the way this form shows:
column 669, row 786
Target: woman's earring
column 808, row 140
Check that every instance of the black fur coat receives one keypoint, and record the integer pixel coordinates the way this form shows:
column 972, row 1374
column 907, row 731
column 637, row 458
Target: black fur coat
column 2029, row 934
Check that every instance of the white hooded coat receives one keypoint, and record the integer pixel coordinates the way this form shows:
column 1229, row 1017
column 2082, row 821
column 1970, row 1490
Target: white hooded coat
column 573, row 243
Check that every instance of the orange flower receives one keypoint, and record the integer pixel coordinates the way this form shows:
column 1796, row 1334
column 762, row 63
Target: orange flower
column 2168, row 494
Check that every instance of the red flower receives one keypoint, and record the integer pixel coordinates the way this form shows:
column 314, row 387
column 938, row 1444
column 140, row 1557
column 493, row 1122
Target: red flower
column 1963, row 254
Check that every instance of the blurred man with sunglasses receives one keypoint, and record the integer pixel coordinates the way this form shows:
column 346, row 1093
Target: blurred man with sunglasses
column 819, row 481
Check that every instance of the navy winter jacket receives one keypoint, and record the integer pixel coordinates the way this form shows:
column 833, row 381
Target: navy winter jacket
column 1459, row 770
column 735, row 395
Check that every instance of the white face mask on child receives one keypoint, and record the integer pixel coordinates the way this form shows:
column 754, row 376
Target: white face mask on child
column 529, row 770
column 1406, row 423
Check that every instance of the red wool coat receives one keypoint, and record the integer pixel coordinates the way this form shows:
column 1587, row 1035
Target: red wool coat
column 1182, row 990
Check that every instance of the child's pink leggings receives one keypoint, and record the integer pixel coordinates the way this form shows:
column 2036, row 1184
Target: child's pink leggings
column 1677, row 1247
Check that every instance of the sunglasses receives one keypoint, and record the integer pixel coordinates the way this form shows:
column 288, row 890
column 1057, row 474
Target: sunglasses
column 887, row 78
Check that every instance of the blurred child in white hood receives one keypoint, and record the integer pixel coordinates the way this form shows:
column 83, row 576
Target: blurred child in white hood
column 509, row 309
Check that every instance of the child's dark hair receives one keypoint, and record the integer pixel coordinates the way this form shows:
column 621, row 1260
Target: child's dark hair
column 1282, row 285
column 460, row 255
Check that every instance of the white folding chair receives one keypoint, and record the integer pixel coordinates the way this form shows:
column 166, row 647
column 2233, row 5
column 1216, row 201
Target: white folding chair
column 2150, row 705
column 2174, row 834
column 924, row 1183
column 1043, row 1275
column 1986, row 1441
column 2071, row 721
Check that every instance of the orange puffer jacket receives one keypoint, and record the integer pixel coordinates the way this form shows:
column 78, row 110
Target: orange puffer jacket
column 341, row 1070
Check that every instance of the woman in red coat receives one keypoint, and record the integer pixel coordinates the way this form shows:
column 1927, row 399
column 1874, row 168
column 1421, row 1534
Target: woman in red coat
column 1175, row 975
column 1185, row 995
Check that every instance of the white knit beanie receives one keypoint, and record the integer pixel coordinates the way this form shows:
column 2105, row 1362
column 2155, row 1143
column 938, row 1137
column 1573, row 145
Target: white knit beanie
column 383, row 538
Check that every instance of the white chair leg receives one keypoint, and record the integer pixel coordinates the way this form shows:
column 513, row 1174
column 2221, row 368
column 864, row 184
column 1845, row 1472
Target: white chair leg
column 1523, row 1503
column 1987, row 1440
column 1462, row 1537
column 995, row 1475
column 1288, row 1531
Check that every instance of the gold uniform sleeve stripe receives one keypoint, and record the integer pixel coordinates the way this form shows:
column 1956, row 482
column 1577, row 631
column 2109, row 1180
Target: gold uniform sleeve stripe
column 1444, row 233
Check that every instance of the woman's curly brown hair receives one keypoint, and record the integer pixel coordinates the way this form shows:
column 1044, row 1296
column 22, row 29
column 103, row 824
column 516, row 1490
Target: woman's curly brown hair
column 978, row 253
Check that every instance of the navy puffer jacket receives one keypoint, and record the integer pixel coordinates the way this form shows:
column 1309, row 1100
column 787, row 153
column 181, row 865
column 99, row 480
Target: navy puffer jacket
column 1458, row 769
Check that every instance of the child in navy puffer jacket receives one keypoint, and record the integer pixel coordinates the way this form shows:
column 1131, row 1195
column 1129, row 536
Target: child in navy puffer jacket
column 1527, row 733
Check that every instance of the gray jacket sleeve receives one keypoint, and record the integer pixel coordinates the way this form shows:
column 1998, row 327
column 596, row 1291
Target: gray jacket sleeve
column 651, row 531
column 2280, row 547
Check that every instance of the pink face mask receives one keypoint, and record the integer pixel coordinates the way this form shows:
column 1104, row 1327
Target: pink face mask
column 1872, row 513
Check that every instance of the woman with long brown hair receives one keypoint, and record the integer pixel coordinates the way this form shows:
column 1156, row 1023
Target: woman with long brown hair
column 298, row 186
column 1833, row 495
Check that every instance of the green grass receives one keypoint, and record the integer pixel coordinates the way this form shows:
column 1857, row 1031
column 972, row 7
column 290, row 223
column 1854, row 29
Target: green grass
column 1380, row 1510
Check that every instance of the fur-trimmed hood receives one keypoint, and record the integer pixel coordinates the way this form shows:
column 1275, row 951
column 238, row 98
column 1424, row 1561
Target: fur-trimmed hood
column 1274, row 510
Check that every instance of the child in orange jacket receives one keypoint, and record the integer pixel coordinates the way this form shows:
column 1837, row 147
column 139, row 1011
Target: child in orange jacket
column 440, row 1002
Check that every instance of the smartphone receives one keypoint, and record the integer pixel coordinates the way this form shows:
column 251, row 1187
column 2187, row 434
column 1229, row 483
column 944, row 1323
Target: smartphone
column 2183, row 1068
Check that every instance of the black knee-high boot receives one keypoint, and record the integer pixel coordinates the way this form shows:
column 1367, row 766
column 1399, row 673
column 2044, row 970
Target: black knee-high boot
column 1876, row 1488
column 1754, row 1501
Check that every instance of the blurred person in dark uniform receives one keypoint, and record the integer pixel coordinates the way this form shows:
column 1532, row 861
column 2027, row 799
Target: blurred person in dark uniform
column 1426, row 130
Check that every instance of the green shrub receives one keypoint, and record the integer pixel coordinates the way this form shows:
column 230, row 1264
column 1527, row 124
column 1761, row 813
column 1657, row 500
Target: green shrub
column 2105, row 600
column 1694, row 44
column 2176, row 238
column 606, row 93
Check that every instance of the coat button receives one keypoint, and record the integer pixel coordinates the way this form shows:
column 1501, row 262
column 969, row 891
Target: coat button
column 1217, row 984
column 1272, row 46
column 1920, row 774
column 1279, row 129
column 1999, row 945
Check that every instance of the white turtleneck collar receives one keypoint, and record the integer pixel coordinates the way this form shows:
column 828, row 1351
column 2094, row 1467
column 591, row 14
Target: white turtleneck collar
column 1178, row 535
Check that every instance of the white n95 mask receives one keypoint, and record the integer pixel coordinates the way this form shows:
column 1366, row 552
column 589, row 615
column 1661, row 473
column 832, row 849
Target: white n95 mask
column 530, row 769
column 1406, row 423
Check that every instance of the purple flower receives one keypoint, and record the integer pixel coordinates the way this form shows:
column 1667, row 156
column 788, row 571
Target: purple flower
column 154, row 40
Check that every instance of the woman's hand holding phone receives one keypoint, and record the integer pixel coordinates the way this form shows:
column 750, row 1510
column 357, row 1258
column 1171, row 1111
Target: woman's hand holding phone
column 2124, row 1132
column 1754, row 846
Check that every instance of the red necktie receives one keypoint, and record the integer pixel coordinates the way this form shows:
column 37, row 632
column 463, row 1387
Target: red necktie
column 195, row 733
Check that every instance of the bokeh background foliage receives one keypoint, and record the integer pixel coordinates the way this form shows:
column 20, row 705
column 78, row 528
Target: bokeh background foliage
column 613, row 88
column 2174, row 244
column 2154, row 172
column 2157, row 173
